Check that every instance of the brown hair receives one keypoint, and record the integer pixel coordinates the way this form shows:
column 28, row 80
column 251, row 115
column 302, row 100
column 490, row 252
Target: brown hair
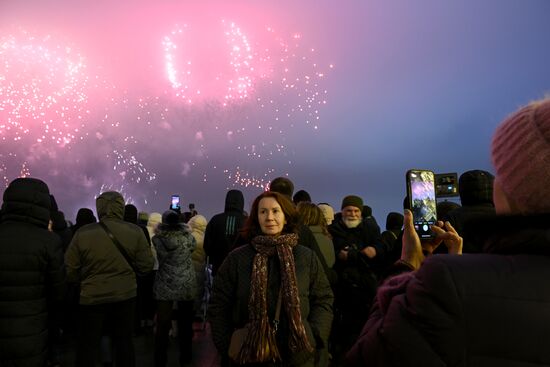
column 310, row 215
column 252, row 226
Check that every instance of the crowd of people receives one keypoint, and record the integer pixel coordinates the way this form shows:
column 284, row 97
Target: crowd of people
column 296, row 282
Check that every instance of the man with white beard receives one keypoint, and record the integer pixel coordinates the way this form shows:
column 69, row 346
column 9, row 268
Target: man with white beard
column 359, row 250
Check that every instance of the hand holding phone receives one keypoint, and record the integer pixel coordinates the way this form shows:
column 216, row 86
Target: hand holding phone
column 414, row 251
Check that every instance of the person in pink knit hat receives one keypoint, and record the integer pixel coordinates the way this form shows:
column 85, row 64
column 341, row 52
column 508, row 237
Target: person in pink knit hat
column 487, row 309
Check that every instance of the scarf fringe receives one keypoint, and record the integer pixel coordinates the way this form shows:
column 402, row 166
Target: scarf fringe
column 298, row 340
column 260, row 345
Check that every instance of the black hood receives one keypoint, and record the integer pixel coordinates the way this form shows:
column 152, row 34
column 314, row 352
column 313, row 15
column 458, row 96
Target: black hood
column 58, row 220
column 130, row 213
column 234, row 201
column 27, row 200
column 85, row 216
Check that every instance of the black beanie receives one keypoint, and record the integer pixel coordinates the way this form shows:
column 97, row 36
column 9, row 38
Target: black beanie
column 352, row 200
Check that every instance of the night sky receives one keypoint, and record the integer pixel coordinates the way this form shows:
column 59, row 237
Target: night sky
column 154, row 98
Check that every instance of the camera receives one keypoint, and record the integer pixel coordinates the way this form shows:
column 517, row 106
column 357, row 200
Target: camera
column 446, row 185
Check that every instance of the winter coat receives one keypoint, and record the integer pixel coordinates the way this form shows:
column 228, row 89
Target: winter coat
column 486, row 309
column 324, row 241
column 31, row 273
column 460, row 217
column 228, row 308
column 59, row 227
column 175, row 279
column 152, row 224
column 222, row 231
column 198, row 226
column 94, row 260
column 358, row 271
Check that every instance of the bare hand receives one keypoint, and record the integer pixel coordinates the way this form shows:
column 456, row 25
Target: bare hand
column 413, row 249
column 369, row 251
column 343, row 254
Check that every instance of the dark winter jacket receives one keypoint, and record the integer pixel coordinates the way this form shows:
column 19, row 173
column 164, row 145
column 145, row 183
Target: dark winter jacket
column 476, row 196
column 461, row 217
column 93, row 259
column 231, row 292
column 175, row 279
column 357, row 264
column 222, row 232
column 324, row 241
column 59, row 227
column 488, row 309
column 31, row 273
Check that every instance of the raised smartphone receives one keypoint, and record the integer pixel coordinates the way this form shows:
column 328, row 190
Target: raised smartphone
column 421, row 194
column 175, row 203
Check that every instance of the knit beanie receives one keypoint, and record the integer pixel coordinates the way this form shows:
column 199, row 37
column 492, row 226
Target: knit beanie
column 328, row 212
column 85, row 216
column 476, row 187
column 170, row 218
column 352, row 200
column 282, row 185
column 521, row 156
column 394, row 221
column 130, row 213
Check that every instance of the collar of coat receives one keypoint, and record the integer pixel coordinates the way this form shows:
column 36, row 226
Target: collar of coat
column 510, row 235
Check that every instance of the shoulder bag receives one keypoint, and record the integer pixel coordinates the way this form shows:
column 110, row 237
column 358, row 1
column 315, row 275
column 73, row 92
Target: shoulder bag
column 331, row 274
column 239, row 335
column 120, row 248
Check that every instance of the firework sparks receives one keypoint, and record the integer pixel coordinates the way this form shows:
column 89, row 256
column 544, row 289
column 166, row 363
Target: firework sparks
column 129, row 168
column 225, row 107
column 230, row 79
column 42, row 90
column 246, row 179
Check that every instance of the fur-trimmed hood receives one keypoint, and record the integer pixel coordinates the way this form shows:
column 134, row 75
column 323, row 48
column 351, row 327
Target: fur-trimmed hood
column 172, row 237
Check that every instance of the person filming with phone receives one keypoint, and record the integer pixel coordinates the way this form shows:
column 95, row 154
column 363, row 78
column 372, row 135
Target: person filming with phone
column 487, row 309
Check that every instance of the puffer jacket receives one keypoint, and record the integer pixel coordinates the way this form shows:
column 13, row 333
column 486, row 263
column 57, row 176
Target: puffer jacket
column 488, row 309
column 31, row 273
column 198, row 226
column 94, row 260
column 175, row 279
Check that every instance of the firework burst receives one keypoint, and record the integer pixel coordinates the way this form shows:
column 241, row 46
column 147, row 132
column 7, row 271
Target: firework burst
column 43, row 90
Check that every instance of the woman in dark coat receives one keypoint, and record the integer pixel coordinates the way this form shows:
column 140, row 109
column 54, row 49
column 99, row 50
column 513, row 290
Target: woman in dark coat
column 486, row 309
column 246, row 292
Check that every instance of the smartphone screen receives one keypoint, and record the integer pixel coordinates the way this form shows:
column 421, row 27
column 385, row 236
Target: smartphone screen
column 421, row 192
column 175, row 205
